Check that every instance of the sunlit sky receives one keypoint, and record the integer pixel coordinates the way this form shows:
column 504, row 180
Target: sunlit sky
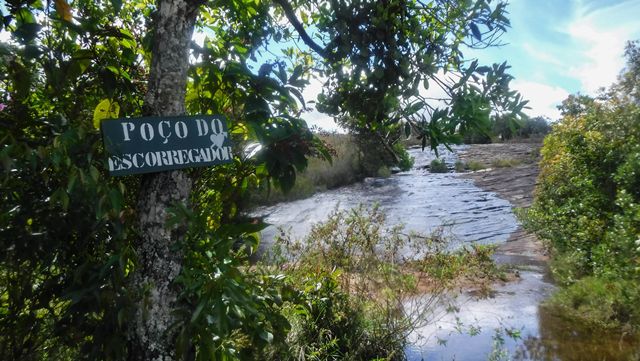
column 560, row 47
column 556, row 48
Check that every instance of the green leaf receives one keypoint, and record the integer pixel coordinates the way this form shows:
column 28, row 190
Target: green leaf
column 117, row 5
column 407, row 130
column 282, row 73
column 95, row 174
column 197, row 311
column 298, row 95
column 296, row 73
column 475, row 31
column 116, row 200
column 106, row 109
column 266, row 335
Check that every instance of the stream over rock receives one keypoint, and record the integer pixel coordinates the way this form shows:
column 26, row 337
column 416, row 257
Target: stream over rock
column 424, row 202
column 509, row 324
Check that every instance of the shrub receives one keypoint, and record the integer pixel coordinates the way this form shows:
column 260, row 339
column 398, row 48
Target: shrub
column 460, row 166
column 587, row 197
column 505, row 163
column 358, row 295
column 587, row 205
column 405, row 160
column 473, row 166
column 438, row 166
column 384, row 172
column 600, row 303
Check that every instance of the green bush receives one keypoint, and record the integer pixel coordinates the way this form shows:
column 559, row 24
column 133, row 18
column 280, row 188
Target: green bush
column 473, row 166
column 587, row 199
column 600, row 303
column 505, row 163
column 356, row 294
column 405, row 160
column 438, row 166
column 587, row 204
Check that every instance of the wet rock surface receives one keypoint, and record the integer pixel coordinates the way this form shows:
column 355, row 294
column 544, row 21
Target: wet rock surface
column 515, row 184
column 424, row 202
column 472, row 206
column 511, row 323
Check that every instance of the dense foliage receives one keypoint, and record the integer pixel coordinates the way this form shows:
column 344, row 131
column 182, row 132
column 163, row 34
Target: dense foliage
column 364, row 285
column 588, row 203
column 503, row 129
column 68, row 229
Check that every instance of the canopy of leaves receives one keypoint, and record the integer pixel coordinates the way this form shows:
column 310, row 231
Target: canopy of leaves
column 380, row 60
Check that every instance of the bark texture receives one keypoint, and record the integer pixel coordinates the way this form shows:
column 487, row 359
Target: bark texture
column 159, row 262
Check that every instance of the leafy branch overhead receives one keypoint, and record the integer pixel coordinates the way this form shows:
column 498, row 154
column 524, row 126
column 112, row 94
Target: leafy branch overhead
column 382, row 62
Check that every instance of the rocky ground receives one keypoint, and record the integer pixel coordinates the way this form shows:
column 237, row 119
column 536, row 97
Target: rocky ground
column 512, row 170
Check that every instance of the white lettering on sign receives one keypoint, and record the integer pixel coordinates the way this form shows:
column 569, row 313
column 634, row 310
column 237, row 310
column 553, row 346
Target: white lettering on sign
column 153, row 144
column 147, row 131
column 126, row 128
column 168, row 158
column 181, row 129
column 161, row 129
column 215, row 126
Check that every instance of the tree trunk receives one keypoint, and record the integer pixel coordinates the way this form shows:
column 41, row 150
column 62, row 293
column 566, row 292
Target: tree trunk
column 150, row 337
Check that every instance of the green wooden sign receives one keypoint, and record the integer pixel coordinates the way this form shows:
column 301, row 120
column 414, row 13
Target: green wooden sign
column 154, row 144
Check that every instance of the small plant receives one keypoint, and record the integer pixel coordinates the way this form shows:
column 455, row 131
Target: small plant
column 473, row 166
column 405, row 160
column 438, row 166
column 383, row 172
column 505, row 163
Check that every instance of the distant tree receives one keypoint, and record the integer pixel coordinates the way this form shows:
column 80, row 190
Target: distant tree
column 629, row 80
column 538, row 126
column 576, row 104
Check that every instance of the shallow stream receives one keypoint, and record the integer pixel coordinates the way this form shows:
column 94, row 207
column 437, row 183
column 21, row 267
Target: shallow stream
column 426, row 202
column 421, row 200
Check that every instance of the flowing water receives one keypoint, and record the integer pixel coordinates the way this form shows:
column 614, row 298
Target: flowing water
column 483, row 328
column 422, row 201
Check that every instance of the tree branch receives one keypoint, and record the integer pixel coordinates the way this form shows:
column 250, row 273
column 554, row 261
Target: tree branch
column 290, row 13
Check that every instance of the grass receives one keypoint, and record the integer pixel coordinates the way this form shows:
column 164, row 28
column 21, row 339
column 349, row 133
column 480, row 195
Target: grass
column 438, row 166
column 469, row 166
column 360, row 297
column 505, row 163
column 319, row 175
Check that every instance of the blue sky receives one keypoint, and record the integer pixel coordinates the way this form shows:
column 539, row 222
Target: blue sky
column 555, row 48
column 560, row 47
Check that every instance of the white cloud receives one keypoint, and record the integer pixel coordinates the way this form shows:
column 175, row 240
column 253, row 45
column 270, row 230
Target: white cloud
column 543, row 98
column 602, row 34
column 314, row 117
column 541, row 54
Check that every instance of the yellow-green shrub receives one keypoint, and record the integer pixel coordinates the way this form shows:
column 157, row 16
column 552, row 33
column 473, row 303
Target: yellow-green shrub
column 587, row 203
